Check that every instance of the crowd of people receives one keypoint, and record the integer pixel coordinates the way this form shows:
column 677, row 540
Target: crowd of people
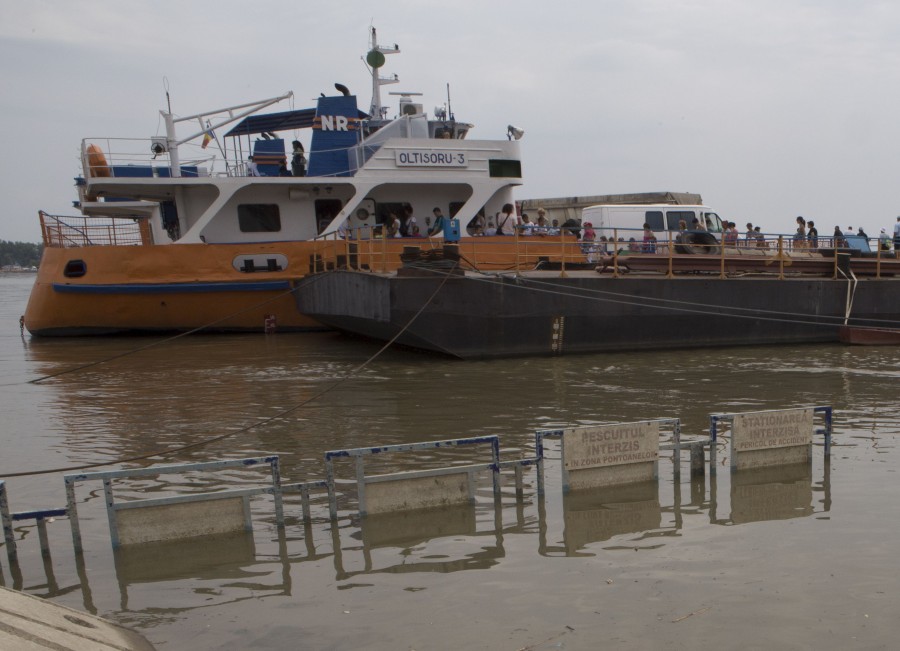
column 406, row 225
column 807, row 237
column 506, row 222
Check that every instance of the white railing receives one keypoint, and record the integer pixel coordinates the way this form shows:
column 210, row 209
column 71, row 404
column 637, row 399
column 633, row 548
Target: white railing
column 134, row 157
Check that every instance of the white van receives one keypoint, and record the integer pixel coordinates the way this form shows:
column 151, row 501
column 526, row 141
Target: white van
column 626, row 221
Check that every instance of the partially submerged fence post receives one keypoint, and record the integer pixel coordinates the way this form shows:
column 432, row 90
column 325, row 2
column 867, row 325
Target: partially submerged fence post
column 181, row 516
column 6, row 521
column 412, row 489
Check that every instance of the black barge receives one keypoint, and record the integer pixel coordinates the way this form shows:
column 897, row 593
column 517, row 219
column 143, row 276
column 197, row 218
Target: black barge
column 647, row 302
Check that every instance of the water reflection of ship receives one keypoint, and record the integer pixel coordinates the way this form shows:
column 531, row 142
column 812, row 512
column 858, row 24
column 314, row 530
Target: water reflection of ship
column 187, row 390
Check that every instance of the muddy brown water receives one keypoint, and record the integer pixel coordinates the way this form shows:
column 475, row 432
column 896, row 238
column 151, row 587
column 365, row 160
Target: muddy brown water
column 792, row 558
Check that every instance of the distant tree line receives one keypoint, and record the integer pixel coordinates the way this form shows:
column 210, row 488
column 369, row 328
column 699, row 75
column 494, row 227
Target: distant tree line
column 24, row 254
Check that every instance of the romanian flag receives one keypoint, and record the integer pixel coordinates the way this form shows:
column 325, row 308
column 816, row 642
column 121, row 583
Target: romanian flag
column 207, row 138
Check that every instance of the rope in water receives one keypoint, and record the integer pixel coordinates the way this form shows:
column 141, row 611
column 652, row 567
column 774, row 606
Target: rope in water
column 281, row 414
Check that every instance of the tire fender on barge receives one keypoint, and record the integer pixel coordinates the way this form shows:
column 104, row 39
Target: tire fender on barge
column 697, row 242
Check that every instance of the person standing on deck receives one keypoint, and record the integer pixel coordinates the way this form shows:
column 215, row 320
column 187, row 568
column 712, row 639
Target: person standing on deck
column 526, row 227
column 506, row 220
column 438, row 225
column 393, row 226
column 799, row 239
column 897, row 235
column 408, row 221
column 838, row 238
column 298, row 159
column 730, row 236
column 812, row 235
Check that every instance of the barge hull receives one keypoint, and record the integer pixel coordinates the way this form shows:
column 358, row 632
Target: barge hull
column 477, row 316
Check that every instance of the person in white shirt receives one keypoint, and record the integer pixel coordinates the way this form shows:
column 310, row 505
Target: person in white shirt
column 506, row 220
column 526, row 227
column 394, row 226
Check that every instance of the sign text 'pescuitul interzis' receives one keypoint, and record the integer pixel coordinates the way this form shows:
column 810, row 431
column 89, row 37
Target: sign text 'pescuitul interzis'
column 608, row 445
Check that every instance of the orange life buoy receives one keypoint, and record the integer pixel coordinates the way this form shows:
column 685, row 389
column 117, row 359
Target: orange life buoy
column 97, row 165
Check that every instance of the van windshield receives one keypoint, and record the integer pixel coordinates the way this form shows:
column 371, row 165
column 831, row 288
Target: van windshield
column 713, row 223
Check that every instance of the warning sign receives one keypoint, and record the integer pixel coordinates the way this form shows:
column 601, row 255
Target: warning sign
column 611, row 445
column 772, row 429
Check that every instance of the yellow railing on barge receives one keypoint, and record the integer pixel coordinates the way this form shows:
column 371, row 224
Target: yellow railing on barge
column 366, row 250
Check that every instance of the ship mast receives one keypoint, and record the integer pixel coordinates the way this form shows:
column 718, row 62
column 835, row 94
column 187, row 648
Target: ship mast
column 375, row 59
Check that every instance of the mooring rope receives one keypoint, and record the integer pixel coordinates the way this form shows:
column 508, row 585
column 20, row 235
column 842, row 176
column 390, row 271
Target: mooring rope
column 708, row 309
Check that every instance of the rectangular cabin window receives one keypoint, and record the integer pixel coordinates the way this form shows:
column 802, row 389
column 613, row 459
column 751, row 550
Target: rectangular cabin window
column 673, row 217
column 655, row 219
column 505, row 168
column 326, row 211
column 259, row 218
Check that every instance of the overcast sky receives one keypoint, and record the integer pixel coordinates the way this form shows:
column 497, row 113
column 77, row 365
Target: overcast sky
column 767, row 108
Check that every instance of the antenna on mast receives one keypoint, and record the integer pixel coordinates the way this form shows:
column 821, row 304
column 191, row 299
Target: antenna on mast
column 375, row 60
column 168, row 99
column 449, row 108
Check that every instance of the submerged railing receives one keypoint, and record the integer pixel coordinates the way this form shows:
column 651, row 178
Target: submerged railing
column 66, row 232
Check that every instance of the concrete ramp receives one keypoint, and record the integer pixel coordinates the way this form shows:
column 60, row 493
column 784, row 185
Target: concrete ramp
column 29, row 623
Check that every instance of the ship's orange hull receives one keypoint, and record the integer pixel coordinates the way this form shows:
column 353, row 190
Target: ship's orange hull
column 183, row 287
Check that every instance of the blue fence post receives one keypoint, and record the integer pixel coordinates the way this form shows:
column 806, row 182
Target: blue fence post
column 8, row 534
column 329, row 480
column 276, row 490
column 72, row 509
column 539, row 455
column 828, row 429
column 495, row 456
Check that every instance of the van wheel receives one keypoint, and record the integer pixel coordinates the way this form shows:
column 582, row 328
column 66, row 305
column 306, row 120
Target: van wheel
column 697, row 243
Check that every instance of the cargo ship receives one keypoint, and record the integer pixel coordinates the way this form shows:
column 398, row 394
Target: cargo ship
column 211, row 225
